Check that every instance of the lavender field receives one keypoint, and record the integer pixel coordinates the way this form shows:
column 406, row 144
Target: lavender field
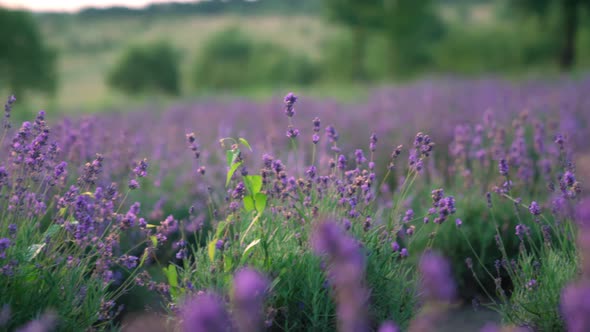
column 303, row 214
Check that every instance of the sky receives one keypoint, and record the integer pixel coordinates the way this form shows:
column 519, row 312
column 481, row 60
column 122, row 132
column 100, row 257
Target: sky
column 73, row 5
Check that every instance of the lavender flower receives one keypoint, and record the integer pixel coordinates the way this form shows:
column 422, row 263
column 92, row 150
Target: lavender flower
column 575, row 307
column 249, row 290
column 534, row 208
column 503, row 167
column 346, row 272
column 290, row 100
column 388, row 327
column 437, row 281
column 205, row 313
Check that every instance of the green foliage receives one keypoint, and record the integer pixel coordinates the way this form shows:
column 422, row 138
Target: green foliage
column 538, row 306
column 148, row 68
column 26, row 62
column 231, row 59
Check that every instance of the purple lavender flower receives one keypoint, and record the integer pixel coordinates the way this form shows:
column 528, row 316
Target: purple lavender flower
column 534, row 208
column 133, row 184
column 205, row 313
column 292, row 132
column 373, row 142
column 7, row 110
column 531, row 285
column 503, row 167
column 408, row 216
column 140, row 169
column 316, row 125
column 458, row 223
column 342, row 162
column 332, row 134
column 346, row 272
column 359, row 157
column 437, row 281
column 395, row 246
column 4, row 244
column 404, row 253
column 388, row 326
column 290, row 100
column 575, row 307
column 128, row 261
column 249, row 290
column 219, row 244
column 315, row 138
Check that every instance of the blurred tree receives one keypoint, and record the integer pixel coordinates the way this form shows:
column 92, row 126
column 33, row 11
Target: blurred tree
column 568, row 24
column 360, row 16
column 26, row 63
column 148, row 68
column 412, row 28
column 231, row 59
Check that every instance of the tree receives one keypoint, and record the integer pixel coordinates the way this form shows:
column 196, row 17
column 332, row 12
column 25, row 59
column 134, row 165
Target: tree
column 568, row 24
column 147, row 68
column 360, row 16
column 412, row 27
column 25, row 61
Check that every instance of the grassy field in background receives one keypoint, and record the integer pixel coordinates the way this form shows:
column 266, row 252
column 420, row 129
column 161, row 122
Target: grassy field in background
column 88, row 49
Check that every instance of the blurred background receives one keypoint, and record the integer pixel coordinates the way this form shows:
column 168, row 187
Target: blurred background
column 89, row 55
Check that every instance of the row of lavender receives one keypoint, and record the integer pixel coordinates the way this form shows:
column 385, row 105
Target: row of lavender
column 267, row 212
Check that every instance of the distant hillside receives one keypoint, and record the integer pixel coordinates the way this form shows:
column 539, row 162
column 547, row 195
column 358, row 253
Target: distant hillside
column 205, row 7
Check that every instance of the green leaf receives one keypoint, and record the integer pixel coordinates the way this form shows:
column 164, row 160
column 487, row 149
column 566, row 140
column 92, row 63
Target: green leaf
column 231, row 172
column 248, row 203
column 52, row 230
column 211, row 249
column 172, row 276
column 143, row 257
column 253, row 183
column 245, row 143
column 154, row 240
column 229, row 158
column 250, row 246
column 260, row 202
column 151, row 226
column 33, row 251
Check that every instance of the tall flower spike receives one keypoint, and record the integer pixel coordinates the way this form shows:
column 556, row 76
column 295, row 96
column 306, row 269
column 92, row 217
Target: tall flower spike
column 290, row 100
column 205, row 313
column 346, row 272
column 249, row 290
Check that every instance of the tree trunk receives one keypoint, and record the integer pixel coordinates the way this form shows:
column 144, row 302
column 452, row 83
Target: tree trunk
column 570, row 25
column 358, row 53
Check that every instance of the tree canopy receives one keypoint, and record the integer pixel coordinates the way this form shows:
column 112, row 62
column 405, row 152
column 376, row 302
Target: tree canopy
column 26, row 63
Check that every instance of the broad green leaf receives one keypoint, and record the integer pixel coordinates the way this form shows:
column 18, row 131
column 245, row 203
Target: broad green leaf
column 245, row 143
column 260, row 202
column 231, row 172
column 254, row 183
column 52, row 230
column 34, row 250
column 248, row 203
column 172, row 276
column 154, row 240
column 229, row 157
column 211, row 249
